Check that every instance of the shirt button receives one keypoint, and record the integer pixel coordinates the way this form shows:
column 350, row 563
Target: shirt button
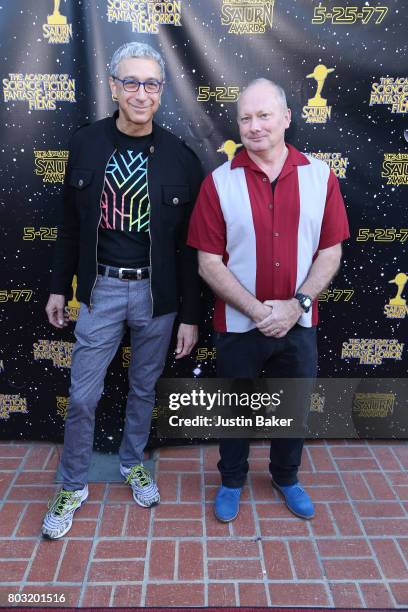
column 80, row 183
column 277, row 264
column 264, row 179
column 151, row 149
column 175, row 200
column 276, row 234
column 270, row 206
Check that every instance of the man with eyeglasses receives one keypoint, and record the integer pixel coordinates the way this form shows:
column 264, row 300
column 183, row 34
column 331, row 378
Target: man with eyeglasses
column 129, row 189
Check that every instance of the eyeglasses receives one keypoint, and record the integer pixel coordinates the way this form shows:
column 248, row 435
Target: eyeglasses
column 131, row 85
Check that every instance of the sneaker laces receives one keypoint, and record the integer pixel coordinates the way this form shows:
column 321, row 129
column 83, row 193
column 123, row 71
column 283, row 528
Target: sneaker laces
column 139, row 474
column 142, row 484
column 62, row 501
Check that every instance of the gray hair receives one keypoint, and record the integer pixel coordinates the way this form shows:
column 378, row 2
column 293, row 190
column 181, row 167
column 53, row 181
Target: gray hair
column 279, row 90
column 135, row 49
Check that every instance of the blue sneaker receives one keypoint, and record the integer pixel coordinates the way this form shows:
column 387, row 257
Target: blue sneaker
column 297, row 500
column 226, row 506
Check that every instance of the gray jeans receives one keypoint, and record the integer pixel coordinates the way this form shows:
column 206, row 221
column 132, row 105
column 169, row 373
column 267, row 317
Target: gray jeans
column 98, row 335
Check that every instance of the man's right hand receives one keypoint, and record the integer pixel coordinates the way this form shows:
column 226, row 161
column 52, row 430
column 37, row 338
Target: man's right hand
column 262, row 312
column 55, row 311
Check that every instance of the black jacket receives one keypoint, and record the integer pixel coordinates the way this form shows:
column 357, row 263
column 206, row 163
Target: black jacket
column 174, row 177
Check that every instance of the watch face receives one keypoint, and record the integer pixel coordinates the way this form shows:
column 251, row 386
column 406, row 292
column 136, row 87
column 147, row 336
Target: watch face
column 304, row 300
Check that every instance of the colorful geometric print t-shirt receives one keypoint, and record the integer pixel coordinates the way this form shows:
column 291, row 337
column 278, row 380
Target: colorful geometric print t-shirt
column 123, row 234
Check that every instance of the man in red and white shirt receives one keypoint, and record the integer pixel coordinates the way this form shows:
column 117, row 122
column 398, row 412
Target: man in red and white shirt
column 268, row 226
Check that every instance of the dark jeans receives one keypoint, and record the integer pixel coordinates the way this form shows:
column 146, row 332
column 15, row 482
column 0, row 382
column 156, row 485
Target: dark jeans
column 246, row 355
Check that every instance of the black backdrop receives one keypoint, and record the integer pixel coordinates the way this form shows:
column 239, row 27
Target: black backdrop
column 54, row 78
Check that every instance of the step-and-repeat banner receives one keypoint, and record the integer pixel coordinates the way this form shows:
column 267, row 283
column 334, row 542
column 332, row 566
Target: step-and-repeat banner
column 343, row 66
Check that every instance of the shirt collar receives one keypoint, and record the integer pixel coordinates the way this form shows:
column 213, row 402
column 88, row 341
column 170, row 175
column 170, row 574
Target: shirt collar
column 294, row 158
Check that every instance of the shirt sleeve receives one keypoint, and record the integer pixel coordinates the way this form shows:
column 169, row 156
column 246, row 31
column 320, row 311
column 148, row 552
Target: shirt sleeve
column 335, row 226
column 207, row 230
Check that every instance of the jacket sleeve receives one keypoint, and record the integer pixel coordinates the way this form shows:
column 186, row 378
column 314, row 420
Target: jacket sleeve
column 189, row 278
column 66, row 251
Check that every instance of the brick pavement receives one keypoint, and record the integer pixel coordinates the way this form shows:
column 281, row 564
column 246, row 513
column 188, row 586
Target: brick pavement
column 353, row 554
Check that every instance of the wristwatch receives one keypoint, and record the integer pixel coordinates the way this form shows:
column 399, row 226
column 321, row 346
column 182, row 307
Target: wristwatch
column 304, row 300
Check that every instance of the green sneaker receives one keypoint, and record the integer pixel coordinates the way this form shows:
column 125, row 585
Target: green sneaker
column 58, row 520
column 144, row 488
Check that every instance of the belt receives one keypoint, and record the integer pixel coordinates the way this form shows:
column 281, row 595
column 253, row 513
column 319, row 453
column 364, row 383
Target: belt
column 124, row 273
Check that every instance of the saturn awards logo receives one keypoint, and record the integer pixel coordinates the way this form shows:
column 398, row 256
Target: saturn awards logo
column 317, row 110
column 73, row 304
column 395, row 168
column 57, row 30
column 126, row 356
column 229, row 147
column 51, row 165
column 62, row 406
column 247, row 16
column 397, row 306
column 373, row 404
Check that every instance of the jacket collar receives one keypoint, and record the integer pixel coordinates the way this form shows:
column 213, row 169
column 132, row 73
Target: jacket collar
column 112, row 133
column 294, row 158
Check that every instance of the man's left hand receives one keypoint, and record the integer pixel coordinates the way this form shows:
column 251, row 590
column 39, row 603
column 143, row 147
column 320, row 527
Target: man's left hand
column 187, row 337
column 284, row 315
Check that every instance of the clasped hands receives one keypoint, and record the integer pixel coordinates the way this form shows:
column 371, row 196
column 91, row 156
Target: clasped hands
column 278, row 317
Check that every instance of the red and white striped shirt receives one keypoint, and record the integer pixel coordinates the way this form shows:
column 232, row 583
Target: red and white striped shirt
column 267, row 239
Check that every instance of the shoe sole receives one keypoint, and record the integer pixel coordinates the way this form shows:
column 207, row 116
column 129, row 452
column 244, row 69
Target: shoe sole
column 303, row 516
column 225, row 520
column 155, row 503
column 46, row 536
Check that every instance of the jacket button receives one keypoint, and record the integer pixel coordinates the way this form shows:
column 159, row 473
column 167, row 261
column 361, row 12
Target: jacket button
column 175, row 200
column 151, row 149
column 80, row 183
